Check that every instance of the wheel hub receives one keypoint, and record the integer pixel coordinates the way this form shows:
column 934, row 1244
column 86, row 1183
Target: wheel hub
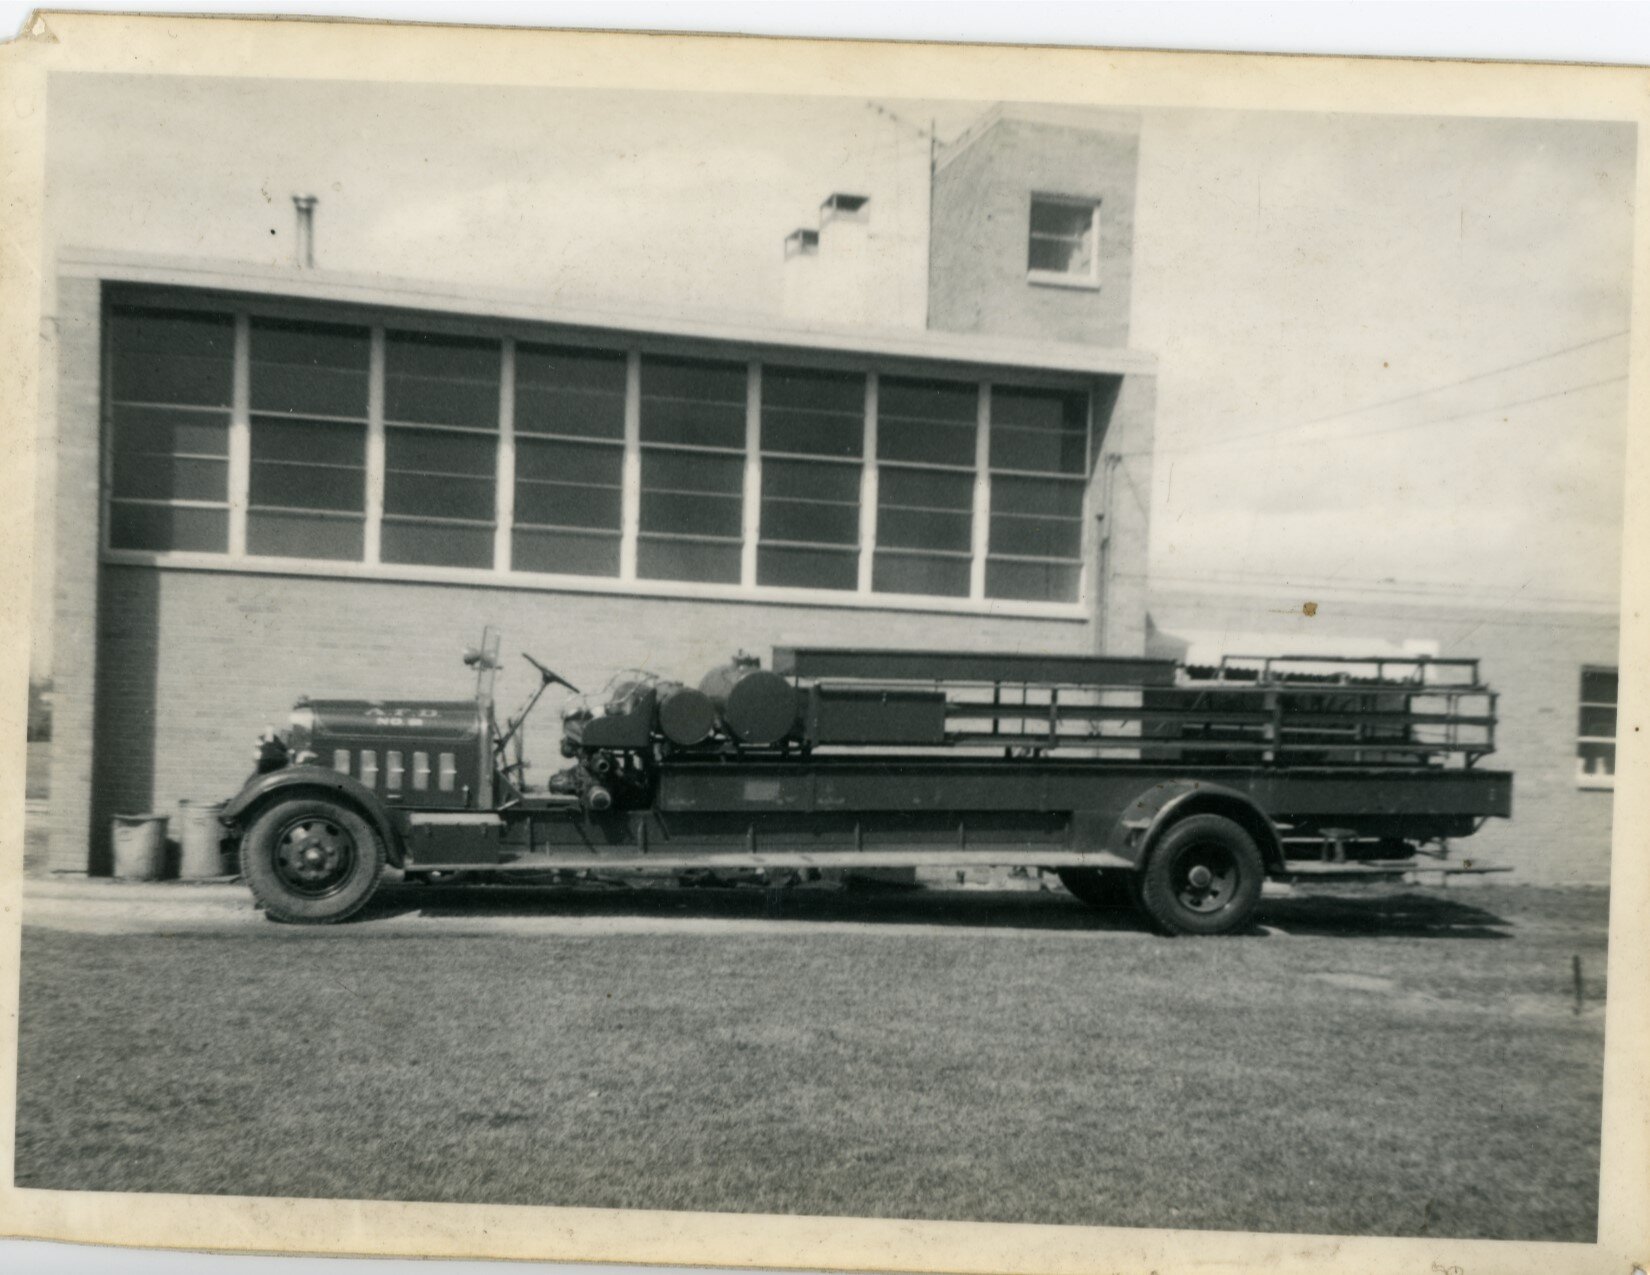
column 314, row 856
column 1208, row 878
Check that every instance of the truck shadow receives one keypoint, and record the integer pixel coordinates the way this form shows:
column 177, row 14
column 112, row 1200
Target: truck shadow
column 1412, row 914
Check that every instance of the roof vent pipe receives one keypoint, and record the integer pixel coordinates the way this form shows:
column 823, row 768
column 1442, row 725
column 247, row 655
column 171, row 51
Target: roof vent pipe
column 303, row 247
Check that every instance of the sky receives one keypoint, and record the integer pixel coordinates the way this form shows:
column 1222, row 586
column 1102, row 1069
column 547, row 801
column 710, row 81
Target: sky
column 1332, row 298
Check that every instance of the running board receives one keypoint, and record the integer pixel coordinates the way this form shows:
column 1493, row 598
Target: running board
column 1313, row 870
column 791, row 859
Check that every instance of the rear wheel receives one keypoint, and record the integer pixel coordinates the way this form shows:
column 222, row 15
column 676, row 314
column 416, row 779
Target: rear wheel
column 1203, row 877
column 311, row 861
column 1102, row 888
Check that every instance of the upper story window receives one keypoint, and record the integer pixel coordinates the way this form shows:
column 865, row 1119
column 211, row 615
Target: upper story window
column 320, row 435
column 170, row 386
column 569, row 451
column 306, row 494
column 441, row 411
column 693, row 426
column 1064, row 244
column 1596, row 729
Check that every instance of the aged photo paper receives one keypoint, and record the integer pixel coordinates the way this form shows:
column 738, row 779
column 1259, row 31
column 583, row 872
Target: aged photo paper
column 819, row 654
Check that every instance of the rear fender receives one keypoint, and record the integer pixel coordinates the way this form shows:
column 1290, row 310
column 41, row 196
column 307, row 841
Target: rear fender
column 291, row 781
column 1145, row 820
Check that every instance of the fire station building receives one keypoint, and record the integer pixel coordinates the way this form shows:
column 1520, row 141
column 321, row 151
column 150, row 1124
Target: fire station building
column 283, row 482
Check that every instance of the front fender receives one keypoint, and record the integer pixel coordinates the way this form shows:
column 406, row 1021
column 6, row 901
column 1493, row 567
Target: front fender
column 261, row 788
column 1146, row 818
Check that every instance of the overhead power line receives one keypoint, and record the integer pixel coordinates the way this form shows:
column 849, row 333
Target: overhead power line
column 1437, row 420
column 1232, row 439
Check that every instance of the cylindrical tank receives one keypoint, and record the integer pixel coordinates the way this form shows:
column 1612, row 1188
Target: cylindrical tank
column 140, row 847
column 756, row 706
column 686, row 716
column 200, row 839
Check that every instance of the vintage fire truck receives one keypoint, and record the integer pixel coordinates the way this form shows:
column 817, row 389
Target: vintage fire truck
column 1144, row 783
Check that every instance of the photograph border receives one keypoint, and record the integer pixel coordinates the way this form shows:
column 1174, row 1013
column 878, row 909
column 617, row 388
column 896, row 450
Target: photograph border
column 286, row 49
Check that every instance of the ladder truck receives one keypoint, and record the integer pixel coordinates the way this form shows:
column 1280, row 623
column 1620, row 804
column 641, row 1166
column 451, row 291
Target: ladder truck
column 1174, row 789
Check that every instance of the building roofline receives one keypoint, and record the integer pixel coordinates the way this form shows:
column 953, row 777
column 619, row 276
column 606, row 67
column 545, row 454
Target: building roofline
column 1097, row 119
column 1394, row 596
column 432, row 295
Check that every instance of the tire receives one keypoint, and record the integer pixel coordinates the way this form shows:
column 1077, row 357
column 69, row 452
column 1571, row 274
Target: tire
column 1202, row 877
column 1105, row 889
column 311, row 861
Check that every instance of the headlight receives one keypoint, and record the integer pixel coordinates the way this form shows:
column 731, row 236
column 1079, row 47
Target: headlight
column 302, row 721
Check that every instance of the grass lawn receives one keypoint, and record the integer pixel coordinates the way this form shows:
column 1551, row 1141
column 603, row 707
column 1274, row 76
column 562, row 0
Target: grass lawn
column 1342, row 1080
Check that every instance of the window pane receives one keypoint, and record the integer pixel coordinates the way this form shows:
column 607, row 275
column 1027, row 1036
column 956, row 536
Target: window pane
column 171, row 356
column 1596, row 759
column 927, row 421
column 1040, row 496
column 171, row 478
column 568, row 505
column 570, row 391
column 286, row 485
column 812, row 522
column 162, row 527
column 1039, row 430
column 920, row 573
column 1059, row 256
column 658, row 559
column 159, row 431
column 813, row 412
column 565, row 552
column 814, row 388
column 924, row 529
column 1062, row 236
column 785, row 566
column 276, row 438
column 309, row 368
column 954, row 401
column 288, row 535
column 1058, row 217
column 925, row 489
column 558, row 462
column 810, row 480
column 1037, row 451
column 441, row 380
column 701, row 404
column 1032, row 581
column 700, row 379
column 437, row 544
column 688, row 513
column 813, row 433
column 691, row 471
column 433, row 452
column 437, row 496
column 1036, row 537
column 1598, row 686
column 1598, row 723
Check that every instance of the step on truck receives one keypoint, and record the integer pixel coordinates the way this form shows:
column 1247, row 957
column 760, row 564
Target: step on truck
column 1173, row 789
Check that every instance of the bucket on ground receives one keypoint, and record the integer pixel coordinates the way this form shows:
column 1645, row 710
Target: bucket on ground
column 200, row 837
column 140, row 847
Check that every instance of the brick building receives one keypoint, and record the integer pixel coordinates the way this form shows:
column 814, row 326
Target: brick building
column 276, row 482
column 279, row 482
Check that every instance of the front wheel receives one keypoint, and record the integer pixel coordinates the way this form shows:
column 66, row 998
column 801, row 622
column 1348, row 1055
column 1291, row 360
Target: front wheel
column 311, row 861
column 1203, row 877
